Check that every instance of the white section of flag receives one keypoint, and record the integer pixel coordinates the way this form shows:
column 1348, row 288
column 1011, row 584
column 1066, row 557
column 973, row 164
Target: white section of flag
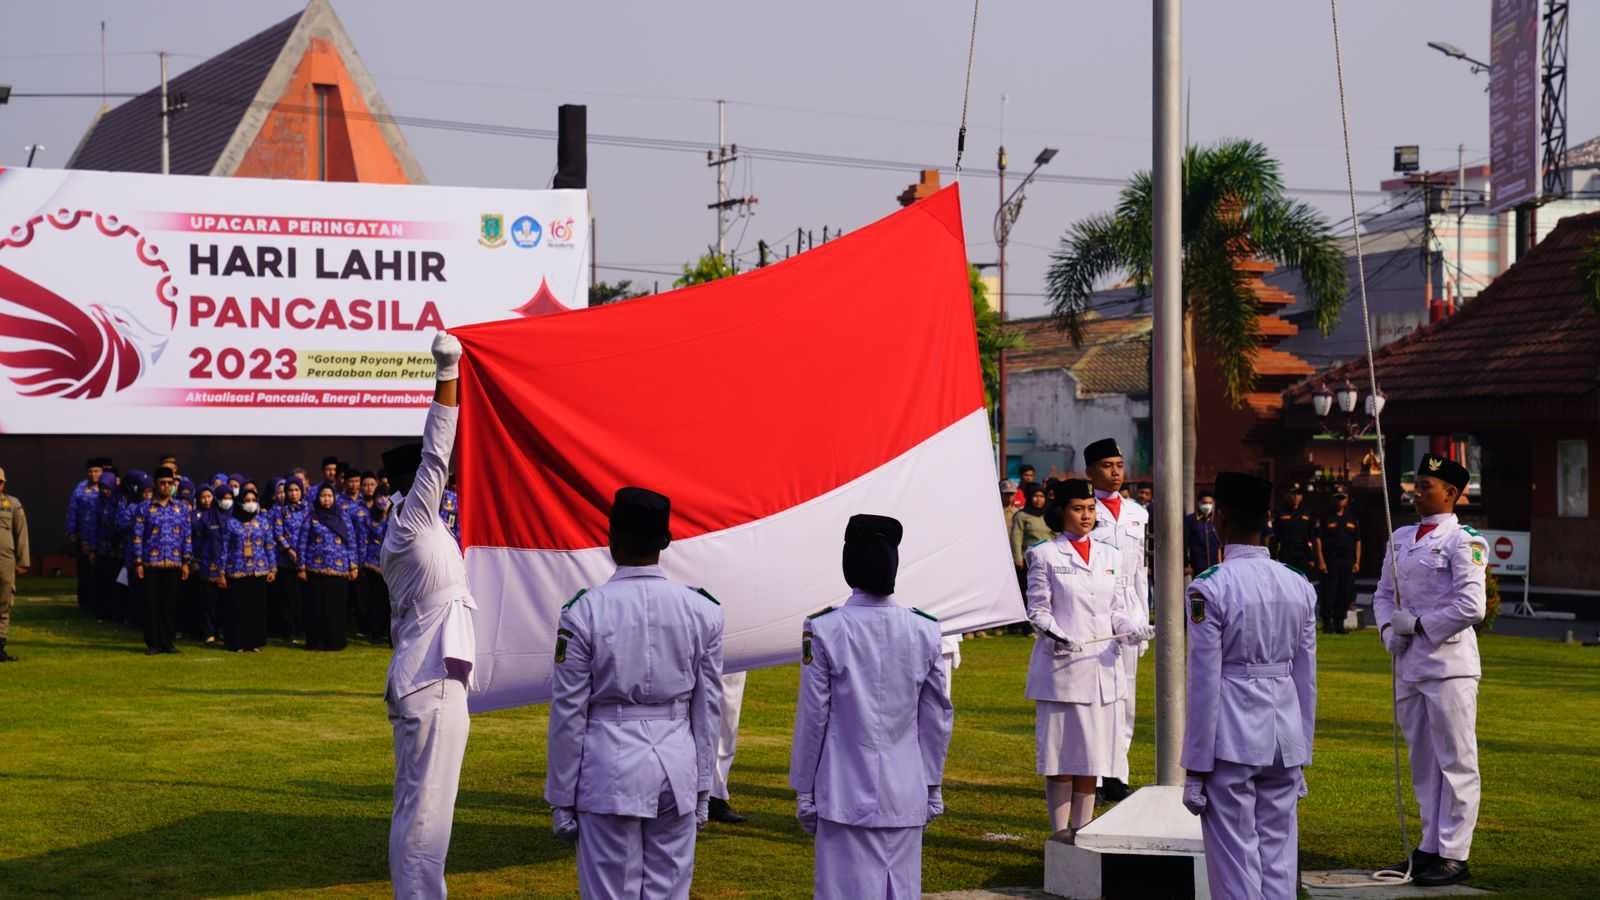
column 769, row 574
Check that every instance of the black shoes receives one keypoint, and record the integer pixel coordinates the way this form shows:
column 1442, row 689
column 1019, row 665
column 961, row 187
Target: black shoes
column 720, row 811
column 1441, row 872
column 1113, row 790
column 4, row 656
column 1420, row 859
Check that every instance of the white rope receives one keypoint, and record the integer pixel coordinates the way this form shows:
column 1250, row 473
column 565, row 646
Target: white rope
column 1383, row 875
column 966, row 92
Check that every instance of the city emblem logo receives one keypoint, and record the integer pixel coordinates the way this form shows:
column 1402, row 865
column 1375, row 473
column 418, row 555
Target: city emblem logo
column 492, row 230
column 526, row 232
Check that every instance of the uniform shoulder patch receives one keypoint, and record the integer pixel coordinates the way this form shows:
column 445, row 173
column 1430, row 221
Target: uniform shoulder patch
column 1472, row 531
column 575, row 598
column 707, row 594
column 1197, row 608
column 1206, row 574
column 821, row 612
column 1478, row 557
column 929, row 616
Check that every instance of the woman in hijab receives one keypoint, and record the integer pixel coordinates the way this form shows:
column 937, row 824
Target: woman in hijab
column 329, row 561
column 210, row 531
column 139, row 487
column 277, row 492
column 252, row 564
column 288, row 598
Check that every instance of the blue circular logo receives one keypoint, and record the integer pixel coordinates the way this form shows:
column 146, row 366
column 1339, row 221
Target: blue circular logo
column 526, row 232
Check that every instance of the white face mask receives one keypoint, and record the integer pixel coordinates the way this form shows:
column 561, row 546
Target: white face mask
column 1206, row 508
column 250, row 506
column 225, row 503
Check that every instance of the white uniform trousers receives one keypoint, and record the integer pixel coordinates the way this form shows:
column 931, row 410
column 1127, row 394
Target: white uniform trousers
column 1251, row 833
column 629, row 858
column 867, row 863
column 1130, row 666
column 1439, row 718
column 727, row 732
column 430, row 738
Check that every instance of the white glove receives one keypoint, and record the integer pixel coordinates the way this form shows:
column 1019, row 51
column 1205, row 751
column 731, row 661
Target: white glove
column 702, row 809
column 1194, row 794
column 806, row 812
column 446, row 355
column 1395, row 642
column 1404, row 623
column 1138, row 634
column 1303, row 791
column 1061, row 644
column 564, row 822
column 935, row 801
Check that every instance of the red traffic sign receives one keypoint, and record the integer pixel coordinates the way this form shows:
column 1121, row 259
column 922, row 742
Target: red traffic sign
column 1502, row 548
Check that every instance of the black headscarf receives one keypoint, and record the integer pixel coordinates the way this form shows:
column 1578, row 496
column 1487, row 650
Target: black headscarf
column 872, row 553
column 216, row 516
column 238, row 506
column 332, row 518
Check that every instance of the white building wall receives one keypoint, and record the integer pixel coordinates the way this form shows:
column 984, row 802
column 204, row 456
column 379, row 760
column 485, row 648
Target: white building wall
column 1050, row 420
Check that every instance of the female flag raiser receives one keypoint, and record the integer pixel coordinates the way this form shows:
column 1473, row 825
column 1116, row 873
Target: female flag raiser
column 770, row 407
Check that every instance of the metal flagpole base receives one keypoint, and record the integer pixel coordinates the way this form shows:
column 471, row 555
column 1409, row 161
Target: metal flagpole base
column 1146, row 845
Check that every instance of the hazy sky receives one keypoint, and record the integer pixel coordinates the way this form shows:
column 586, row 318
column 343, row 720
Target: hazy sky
column 879, row 79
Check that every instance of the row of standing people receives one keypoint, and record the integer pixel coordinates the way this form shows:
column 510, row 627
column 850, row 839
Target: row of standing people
column 226, row 562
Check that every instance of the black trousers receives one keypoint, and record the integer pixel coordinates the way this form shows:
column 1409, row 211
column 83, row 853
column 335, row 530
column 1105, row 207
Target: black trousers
column 247, row 612
column 284, row 603
column 160, row 588
column 357, row 610
column 108, row 600
column 376, row 614
column 326, row 612
column 86, row 598
column 1338, row 592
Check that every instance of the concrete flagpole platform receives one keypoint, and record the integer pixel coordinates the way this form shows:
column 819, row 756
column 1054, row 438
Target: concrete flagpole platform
column 1146, row 846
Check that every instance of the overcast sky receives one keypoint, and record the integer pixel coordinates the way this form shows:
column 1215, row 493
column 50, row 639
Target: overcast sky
column 879, row 79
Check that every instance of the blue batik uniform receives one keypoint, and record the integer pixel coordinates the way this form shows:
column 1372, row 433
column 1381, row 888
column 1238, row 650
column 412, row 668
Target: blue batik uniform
column 288, row 521
column 376, row 529
column 210, row 541
column 450, row 514
column 251, row 548
column 324, row 552
column 80, row 513
column 162, row 535
column 107, row 526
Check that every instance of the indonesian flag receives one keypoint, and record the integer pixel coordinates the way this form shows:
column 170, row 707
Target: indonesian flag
column 770, row 407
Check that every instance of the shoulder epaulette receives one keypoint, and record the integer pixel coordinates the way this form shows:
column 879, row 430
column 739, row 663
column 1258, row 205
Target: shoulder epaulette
column 1295, row 569
column 1472, row 531
column 821, row 612
column 575, row 598
column 1206, row 574
column 930, row 617
column 707, row 594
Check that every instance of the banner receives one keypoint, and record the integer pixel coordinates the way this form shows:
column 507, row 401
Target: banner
column 147, row 304
column 1513, row 103
column 770, row 407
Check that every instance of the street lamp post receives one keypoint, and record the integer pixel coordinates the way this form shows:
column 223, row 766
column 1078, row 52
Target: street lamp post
column 1351, row 425
column 1004, row 218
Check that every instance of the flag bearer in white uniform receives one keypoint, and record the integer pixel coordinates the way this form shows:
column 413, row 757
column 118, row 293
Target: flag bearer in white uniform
column 434, row 644
column 1429, row 596
column 871, row 728
column 1125, row 526
column 1078, row 598
column 633, row 720
column 1252, row 702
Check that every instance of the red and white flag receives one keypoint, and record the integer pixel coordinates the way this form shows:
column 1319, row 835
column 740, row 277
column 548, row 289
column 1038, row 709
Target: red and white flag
column 770, row 407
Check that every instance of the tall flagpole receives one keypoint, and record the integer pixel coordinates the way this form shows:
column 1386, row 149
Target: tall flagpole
column 1168, row 325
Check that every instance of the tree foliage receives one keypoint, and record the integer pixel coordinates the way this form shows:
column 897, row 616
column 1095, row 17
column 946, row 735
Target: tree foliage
column 1589, row 269
column 709, row 267
column 993, row 336
column 601, row 293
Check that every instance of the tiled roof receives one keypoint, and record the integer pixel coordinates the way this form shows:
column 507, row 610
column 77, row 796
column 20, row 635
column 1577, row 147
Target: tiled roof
column 127, row 138
column 1584, row 155
column 1114, row 357
column 1529, row 334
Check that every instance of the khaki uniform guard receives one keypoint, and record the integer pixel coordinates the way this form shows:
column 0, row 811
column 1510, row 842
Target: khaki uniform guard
column 14, row 558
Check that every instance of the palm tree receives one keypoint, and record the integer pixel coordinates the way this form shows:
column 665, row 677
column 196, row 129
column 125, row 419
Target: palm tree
column 1234, row 205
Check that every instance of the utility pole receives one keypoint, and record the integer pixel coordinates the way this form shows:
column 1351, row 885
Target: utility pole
column 761, row 248
column 1000, row 307
column 720, row 159
column 166, row 113
column 1461, row 213
column 1167, row 279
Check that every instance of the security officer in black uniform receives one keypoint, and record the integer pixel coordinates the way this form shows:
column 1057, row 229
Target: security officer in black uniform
column 1294, row 534
column 1338, row 559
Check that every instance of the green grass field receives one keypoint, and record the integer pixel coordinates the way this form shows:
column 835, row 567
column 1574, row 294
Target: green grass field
column 211, row 773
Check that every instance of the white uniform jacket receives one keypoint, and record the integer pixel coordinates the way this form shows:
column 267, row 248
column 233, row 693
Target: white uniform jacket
column 873, row 721
column 1127, row 531
column 1441, row 582
column 1083, row 601
column 637, row 696
column 1252, row 663
column 430, row 604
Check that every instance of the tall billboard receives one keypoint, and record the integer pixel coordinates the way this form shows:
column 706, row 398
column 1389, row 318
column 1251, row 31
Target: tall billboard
column 148, row 304
column 1513, row 103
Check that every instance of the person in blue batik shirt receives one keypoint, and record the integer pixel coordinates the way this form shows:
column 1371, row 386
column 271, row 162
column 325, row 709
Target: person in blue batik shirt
column 376, row 614
column 108, row 549
column 287, row 596
column 251, row 563
column 162, row 549
column 450, row 510
column 328, row 563
column 80, row 524
column 349, row 501
column 137, row 489
column 210, row 532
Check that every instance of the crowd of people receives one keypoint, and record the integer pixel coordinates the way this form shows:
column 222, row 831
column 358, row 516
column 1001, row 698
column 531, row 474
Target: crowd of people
column 230, row 561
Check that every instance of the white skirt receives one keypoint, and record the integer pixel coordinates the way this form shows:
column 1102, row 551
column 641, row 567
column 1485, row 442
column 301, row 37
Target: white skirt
column 1076, row 738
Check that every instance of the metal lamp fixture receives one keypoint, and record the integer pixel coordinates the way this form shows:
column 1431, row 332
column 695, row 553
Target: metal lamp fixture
column 1375, row 405
column 5, row 94
column 1347, row 396
column 1454, row 52
column 1322, row 402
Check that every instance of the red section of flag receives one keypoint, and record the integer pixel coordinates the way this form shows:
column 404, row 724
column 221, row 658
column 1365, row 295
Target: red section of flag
column 738, row 399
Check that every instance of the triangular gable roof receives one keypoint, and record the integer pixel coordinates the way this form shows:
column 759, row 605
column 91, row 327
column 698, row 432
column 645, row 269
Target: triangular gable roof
column 1528, row 335
column 230, row 96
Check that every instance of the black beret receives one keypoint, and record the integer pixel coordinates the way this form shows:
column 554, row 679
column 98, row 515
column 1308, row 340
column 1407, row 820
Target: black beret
column 1244, row 494
column 1105, row 448
column 330, row 461
column 165, row 472
column 1074, row 489
column 1446, row 470
column 864, row 527
column 92, row 462
column 642, row 513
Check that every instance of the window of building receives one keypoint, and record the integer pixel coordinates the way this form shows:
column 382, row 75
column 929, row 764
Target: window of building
column 1572, row 479
column 322, row 91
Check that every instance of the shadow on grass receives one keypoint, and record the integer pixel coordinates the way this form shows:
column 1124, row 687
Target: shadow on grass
column 228, row 853
column 276, row 692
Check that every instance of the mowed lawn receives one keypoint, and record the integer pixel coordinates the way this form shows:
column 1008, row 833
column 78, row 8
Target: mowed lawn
column 211, row 773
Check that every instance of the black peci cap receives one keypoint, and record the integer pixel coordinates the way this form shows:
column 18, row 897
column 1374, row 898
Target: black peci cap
column 1446, row 470
column 642, row 514
column 1074, row 489
column 1244, row 494
column 1105, row 448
